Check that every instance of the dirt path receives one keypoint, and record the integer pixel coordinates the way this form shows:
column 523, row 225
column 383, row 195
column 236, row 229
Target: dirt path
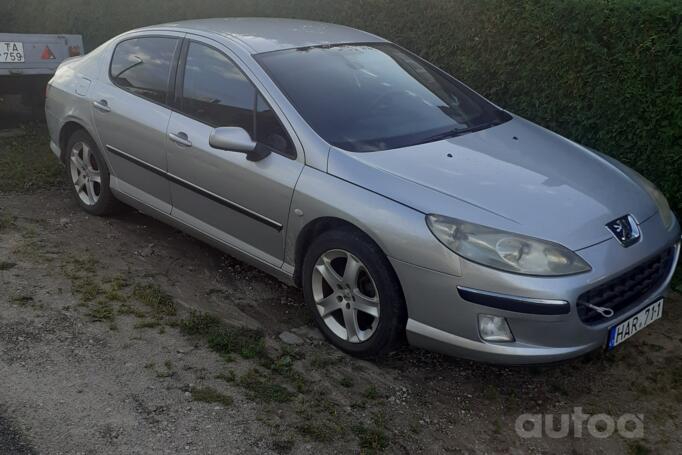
column 100, row 352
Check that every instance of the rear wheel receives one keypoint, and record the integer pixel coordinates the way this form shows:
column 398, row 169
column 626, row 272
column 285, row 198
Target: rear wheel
column 89, row 175
column 354, row 294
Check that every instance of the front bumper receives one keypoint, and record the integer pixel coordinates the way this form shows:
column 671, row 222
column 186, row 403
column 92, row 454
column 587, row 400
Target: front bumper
column 441, row 320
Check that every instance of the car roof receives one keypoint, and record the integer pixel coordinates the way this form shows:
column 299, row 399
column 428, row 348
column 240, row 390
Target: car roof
column 272, row 34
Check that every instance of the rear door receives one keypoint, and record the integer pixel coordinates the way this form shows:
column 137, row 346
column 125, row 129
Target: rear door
column 240, row 202
column 130, row 105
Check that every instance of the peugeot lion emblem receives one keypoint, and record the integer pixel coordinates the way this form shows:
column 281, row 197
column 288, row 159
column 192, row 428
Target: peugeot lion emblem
column 625, row 229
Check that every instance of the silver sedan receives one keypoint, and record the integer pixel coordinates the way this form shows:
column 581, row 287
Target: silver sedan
column 403, row 203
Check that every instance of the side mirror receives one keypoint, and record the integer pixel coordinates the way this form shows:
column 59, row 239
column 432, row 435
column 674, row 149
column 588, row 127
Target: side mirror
column 232, row 139
column 235, row 139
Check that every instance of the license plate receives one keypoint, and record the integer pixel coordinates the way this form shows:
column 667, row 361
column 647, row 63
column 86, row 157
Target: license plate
column 626, row 329
column 11, row 52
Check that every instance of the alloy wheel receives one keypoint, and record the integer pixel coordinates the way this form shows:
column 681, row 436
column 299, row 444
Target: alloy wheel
column 85, row 173
column 346, row 296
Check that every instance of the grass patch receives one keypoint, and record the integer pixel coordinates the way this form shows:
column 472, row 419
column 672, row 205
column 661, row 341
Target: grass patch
column 283, row 445
column 30, row 248
column 227, row 377
column 102, row 311
column 199, row 324
column 346, row 381
column 637, row 448
column 81, row 270
column 126, row 309
column 372, row 440
column 315, row 431
column 148, row 324
column 6, row 221
column 322, row 419
column 169, row 370
column 247, row 343
column 113, row 291
column 259, row 387
column 209, row 395
column 152, row 296
column 371, row 393
column 27, row 164
column 320, row 362
column 225, row 340
column 21, row 300
column 88, row 290
column 284, row 366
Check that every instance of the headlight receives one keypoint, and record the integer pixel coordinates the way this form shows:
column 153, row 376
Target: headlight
column 660, row 200
column 505, row 251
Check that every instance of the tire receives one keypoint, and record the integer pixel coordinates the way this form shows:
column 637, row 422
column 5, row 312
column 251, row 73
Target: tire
column 369, row 337
column 83, row 158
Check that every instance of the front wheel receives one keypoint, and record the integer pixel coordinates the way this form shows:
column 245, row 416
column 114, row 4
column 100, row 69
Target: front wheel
column 354, row 294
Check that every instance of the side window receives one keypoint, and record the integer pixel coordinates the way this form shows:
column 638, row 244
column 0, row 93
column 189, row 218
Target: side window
column 143, row 66
column 215, row 91
column 269, row 130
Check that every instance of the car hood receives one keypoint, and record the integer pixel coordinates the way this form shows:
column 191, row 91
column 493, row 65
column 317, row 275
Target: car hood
column 517, row 176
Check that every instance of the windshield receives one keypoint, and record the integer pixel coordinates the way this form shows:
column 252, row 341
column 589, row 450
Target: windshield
column 370, row 97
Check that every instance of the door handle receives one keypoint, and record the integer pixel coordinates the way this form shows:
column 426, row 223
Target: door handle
column 180, row 138
column 102, row 105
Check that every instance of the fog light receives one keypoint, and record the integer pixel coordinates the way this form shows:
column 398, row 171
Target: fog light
column 494, row 328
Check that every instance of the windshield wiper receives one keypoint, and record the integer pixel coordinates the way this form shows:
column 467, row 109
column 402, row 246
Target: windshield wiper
column 459, row 132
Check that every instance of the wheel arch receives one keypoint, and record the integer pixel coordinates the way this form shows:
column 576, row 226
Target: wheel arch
column 391, row 333
column 67, row 130
column 315, row 228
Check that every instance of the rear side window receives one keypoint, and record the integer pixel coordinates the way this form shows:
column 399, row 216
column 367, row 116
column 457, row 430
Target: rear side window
column 215, row 91
column 143, row 66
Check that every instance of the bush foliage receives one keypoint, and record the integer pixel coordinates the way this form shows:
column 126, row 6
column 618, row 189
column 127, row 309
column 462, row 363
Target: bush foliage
column 606, row 73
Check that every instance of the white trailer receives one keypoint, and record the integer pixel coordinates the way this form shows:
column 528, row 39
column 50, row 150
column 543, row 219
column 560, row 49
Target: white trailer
column 28, row 61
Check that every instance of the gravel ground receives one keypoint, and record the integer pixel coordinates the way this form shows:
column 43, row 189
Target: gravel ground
column 11, row 441
column 122, row 335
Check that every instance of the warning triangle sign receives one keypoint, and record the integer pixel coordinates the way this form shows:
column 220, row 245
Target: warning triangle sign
column 47, row 54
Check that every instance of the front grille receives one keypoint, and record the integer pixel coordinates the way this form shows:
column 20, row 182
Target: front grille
column 625, row 291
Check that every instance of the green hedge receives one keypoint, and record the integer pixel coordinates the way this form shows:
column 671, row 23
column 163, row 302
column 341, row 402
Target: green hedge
column 606, row 73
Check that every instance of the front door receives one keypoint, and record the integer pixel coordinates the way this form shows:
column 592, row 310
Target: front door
column 242, row 203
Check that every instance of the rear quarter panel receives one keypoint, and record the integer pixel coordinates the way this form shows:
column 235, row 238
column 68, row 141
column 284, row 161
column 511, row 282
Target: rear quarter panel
column 68, row 93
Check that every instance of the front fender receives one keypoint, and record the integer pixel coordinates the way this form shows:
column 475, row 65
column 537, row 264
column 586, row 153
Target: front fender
column 400, row 231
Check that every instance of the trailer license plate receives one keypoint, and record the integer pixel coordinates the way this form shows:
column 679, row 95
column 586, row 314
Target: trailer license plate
column 11, row 52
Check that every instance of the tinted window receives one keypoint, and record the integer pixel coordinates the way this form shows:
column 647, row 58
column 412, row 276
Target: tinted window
column 376, row 97
column 269, row 130
column 143, row 66
column 215, row 91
